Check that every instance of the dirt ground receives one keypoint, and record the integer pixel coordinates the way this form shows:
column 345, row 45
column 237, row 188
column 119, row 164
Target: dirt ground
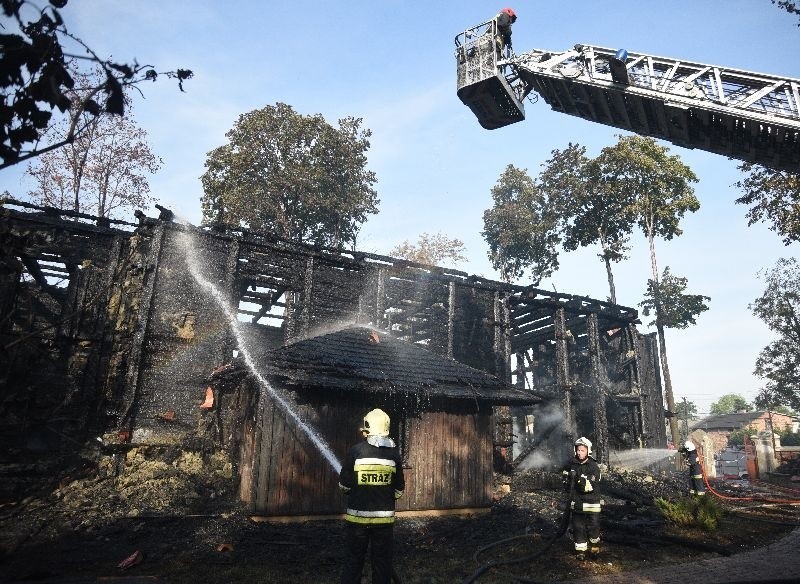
column 84, row 528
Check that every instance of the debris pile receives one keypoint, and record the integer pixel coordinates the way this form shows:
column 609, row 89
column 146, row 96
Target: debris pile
column 156, row 481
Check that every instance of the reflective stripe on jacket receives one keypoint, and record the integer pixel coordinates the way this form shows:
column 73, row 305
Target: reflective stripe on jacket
column 372, row 478
column 586, row 480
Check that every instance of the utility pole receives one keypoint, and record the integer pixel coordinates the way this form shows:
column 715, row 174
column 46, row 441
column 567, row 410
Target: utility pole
column 685, row 419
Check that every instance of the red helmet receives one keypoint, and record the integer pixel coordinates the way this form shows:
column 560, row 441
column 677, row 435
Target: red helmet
column 511, row 13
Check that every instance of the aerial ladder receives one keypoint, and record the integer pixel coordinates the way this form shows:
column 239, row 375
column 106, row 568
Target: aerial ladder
column 748, row 116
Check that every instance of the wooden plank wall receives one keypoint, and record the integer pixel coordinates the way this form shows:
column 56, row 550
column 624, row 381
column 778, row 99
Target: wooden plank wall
column 450, row 461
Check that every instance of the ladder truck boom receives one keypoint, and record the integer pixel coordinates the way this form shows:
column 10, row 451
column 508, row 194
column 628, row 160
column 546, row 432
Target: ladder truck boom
column 748, row 116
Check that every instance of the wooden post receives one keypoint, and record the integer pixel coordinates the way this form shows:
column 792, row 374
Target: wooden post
column 600, row 416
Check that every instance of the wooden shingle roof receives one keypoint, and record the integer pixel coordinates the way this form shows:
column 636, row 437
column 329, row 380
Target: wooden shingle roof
column 727, row 421
column 362, row 358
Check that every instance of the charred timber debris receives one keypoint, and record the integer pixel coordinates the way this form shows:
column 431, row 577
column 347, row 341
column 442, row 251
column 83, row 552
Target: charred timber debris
column 108, row 341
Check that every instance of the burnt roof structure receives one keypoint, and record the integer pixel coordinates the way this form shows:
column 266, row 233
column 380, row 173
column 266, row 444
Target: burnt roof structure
column 106, row 330
column 362, row 358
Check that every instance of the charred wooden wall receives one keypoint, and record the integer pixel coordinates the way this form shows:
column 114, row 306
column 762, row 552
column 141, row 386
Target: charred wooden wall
column 56, row 329
column 448, row 456
column 126, row 342
column 184, row 333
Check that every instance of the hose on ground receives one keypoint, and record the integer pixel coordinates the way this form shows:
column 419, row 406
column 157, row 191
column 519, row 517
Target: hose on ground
column 562, row 529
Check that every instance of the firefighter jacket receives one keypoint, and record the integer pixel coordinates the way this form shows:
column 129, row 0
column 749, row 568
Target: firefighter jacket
column 372, row 478
column 693, row 460
column 504, row 28
column 585, row 482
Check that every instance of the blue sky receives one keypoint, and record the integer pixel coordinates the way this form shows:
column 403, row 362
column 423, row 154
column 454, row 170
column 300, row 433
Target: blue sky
column 391, row 63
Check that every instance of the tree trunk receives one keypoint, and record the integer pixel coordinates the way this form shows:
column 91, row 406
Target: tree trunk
column 612, row 290
column 662, row 347
column 607, row 260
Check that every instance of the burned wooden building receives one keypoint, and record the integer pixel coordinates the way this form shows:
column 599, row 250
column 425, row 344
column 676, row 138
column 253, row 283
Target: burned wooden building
column 111, row 330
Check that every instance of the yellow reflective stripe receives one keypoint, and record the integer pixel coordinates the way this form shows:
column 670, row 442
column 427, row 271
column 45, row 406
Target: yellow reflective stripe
column 375, row 461
column 591, row 507
column 361, row 513
column 369, row 520
column 374, row 468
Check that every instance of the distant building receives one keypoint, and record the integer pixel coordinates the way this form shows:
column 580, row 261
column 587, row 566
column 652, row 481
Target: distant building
column 719, row 427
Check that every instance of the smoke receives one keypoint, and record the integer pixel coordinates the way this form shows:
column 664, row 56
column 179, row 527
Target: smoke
column 639, row 458
column 548, row 429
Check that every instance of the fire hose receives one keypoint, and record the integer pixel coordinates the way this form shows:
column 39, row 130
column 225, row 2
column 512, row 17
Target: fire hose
column 496, row 563
column 728, row 498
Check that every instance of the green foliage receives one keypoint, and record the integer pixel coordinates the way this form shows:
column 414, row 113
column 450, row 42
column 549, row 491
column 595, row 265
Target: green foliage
column 789, row 438
column 730, row 403
column 703, row 512
column 657, row 183
column 292, row 175
column 596, row 211
column 523, row 227
column 38, row 60
column 779, row 308
column 769, row 399
column 685, row 409
column 789, row 6
column 431, row 250
column 773, row 196
column 737, row 437
column 671, row 307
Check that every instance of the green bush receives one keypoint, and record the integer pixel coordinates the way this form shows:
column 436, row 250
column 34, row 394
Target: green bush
column 703, row 512
column 789, row 438
column 736, row 438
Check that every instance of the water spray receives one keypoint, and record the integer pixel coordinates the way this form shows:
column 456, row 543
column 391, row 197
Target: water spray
column 283, row 404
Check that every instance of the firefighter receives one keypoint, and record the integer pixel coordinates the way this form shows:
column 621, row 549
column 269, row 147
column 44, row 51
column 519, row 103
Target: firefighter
column 504, row 19
column 372, row 479
column 697, row 485
column 581, row 477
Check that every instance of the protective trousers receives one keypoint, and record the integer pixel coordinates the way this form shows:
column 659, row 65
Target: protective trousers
column 697, row 485
column 585, row 529
column 379, row 538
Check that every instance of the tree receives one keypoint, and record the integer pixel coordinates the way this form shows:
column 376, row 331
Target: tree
column 779, row 308
column 36, row 66
column 678, row 310
column 686, row 410
column 102, row 169
column 659, row 186
column 730, row 403
column 523, row 228
column 593, row 211
column 292, row 175
column 774, row 197
column 431, row 250
column 789, row 6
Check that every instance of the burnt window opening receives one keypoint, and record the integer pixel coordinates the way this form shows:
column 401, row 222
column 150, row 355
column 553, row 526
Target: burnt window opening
column 48, row 270
column 262, row 304
column 415, row 312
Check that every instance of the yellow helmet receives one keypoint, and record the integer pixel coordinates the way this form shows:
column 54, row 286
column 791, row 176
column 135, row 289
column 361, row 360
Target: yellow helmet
column 376, row 423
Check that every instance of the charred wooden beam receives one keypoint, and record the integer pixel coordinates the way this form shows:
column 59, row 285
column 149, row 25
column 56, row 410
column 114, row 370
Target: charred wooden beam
column 600, row 415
